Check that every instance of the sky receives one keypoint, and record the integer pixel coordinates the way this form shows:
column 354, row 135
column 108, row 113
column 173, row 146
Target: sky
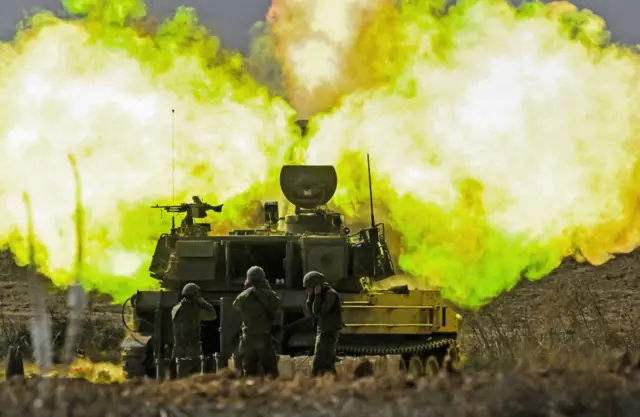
column 231, row 20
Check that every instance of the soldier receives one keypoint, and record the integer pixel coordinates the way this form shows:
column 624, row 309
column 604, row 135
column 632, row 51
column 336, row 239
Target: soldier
column 323, row 303
column 260, row 308
column 187, row 346
column 15, row 365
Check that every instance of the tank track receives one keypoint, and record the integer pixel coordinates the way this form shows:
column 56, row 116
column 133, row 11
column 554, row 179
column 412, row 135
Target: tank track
column 397, row 350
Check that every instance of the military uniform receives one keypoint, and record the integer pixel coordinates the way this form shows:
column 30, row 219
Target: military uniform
column 187, row 346
column 261, row 309
column 323, row 303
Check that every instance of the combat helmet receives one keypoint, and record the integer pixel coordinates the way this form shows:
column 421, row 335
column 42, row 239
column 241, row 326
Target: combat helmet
column 256, row 275
column 191, row 291
column 313, row 278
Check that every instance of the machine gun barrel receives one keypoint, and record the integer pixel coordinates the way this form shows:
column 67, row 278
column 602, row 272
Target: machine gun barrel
column 182, row 208
column 197, row 204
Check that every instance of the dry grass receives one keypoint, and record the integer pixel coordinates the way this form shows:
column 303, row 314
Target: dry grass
column 544, row 349
column 102, row 329
column 483, row 394
column 99, row 341
column 577, row 318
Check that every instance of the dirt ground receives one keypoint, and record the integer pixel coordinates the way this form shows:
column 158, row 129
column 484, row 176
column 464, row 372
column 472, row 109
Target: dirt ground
column 546, row 348
column 517, row 394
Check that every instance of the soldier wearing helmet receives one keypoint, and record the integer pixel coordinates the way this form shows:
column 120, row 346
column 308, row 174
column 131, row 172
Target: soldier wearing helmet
column 187, row 347
column 260, row 308
column 323, row 303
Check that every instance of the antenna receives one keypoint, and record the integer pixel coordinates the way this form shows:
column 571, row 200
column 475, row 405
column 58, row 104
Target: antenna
column 173, row 167
column 373, row 232
column 373, row 220
column 173, row 156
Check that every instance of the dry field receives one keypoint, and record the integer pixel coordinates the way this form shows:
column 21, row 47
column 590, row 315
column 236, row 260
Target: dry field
column 512, row 393
column 549, row 348
column 102, row 332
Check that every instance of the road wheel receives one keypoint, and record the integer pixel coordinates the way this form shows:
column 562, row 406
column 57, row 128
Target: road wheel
column 416, row 368
column 432, row 366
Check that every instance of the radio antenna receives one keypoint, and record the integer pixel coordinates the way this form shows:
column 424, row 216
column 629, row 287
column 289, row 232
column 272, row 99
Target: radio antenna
column 373, row 220
column 173, row 156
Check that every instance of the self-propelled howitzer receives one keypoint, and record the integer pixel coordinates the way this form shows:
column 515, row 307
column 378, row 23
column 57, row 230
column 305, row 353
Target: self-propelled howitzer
column 417, row 324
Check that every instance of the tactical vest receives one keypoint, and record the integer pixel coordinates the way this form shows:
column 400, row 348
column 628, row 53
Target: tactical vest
column 332, row 320
column 257, row 318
